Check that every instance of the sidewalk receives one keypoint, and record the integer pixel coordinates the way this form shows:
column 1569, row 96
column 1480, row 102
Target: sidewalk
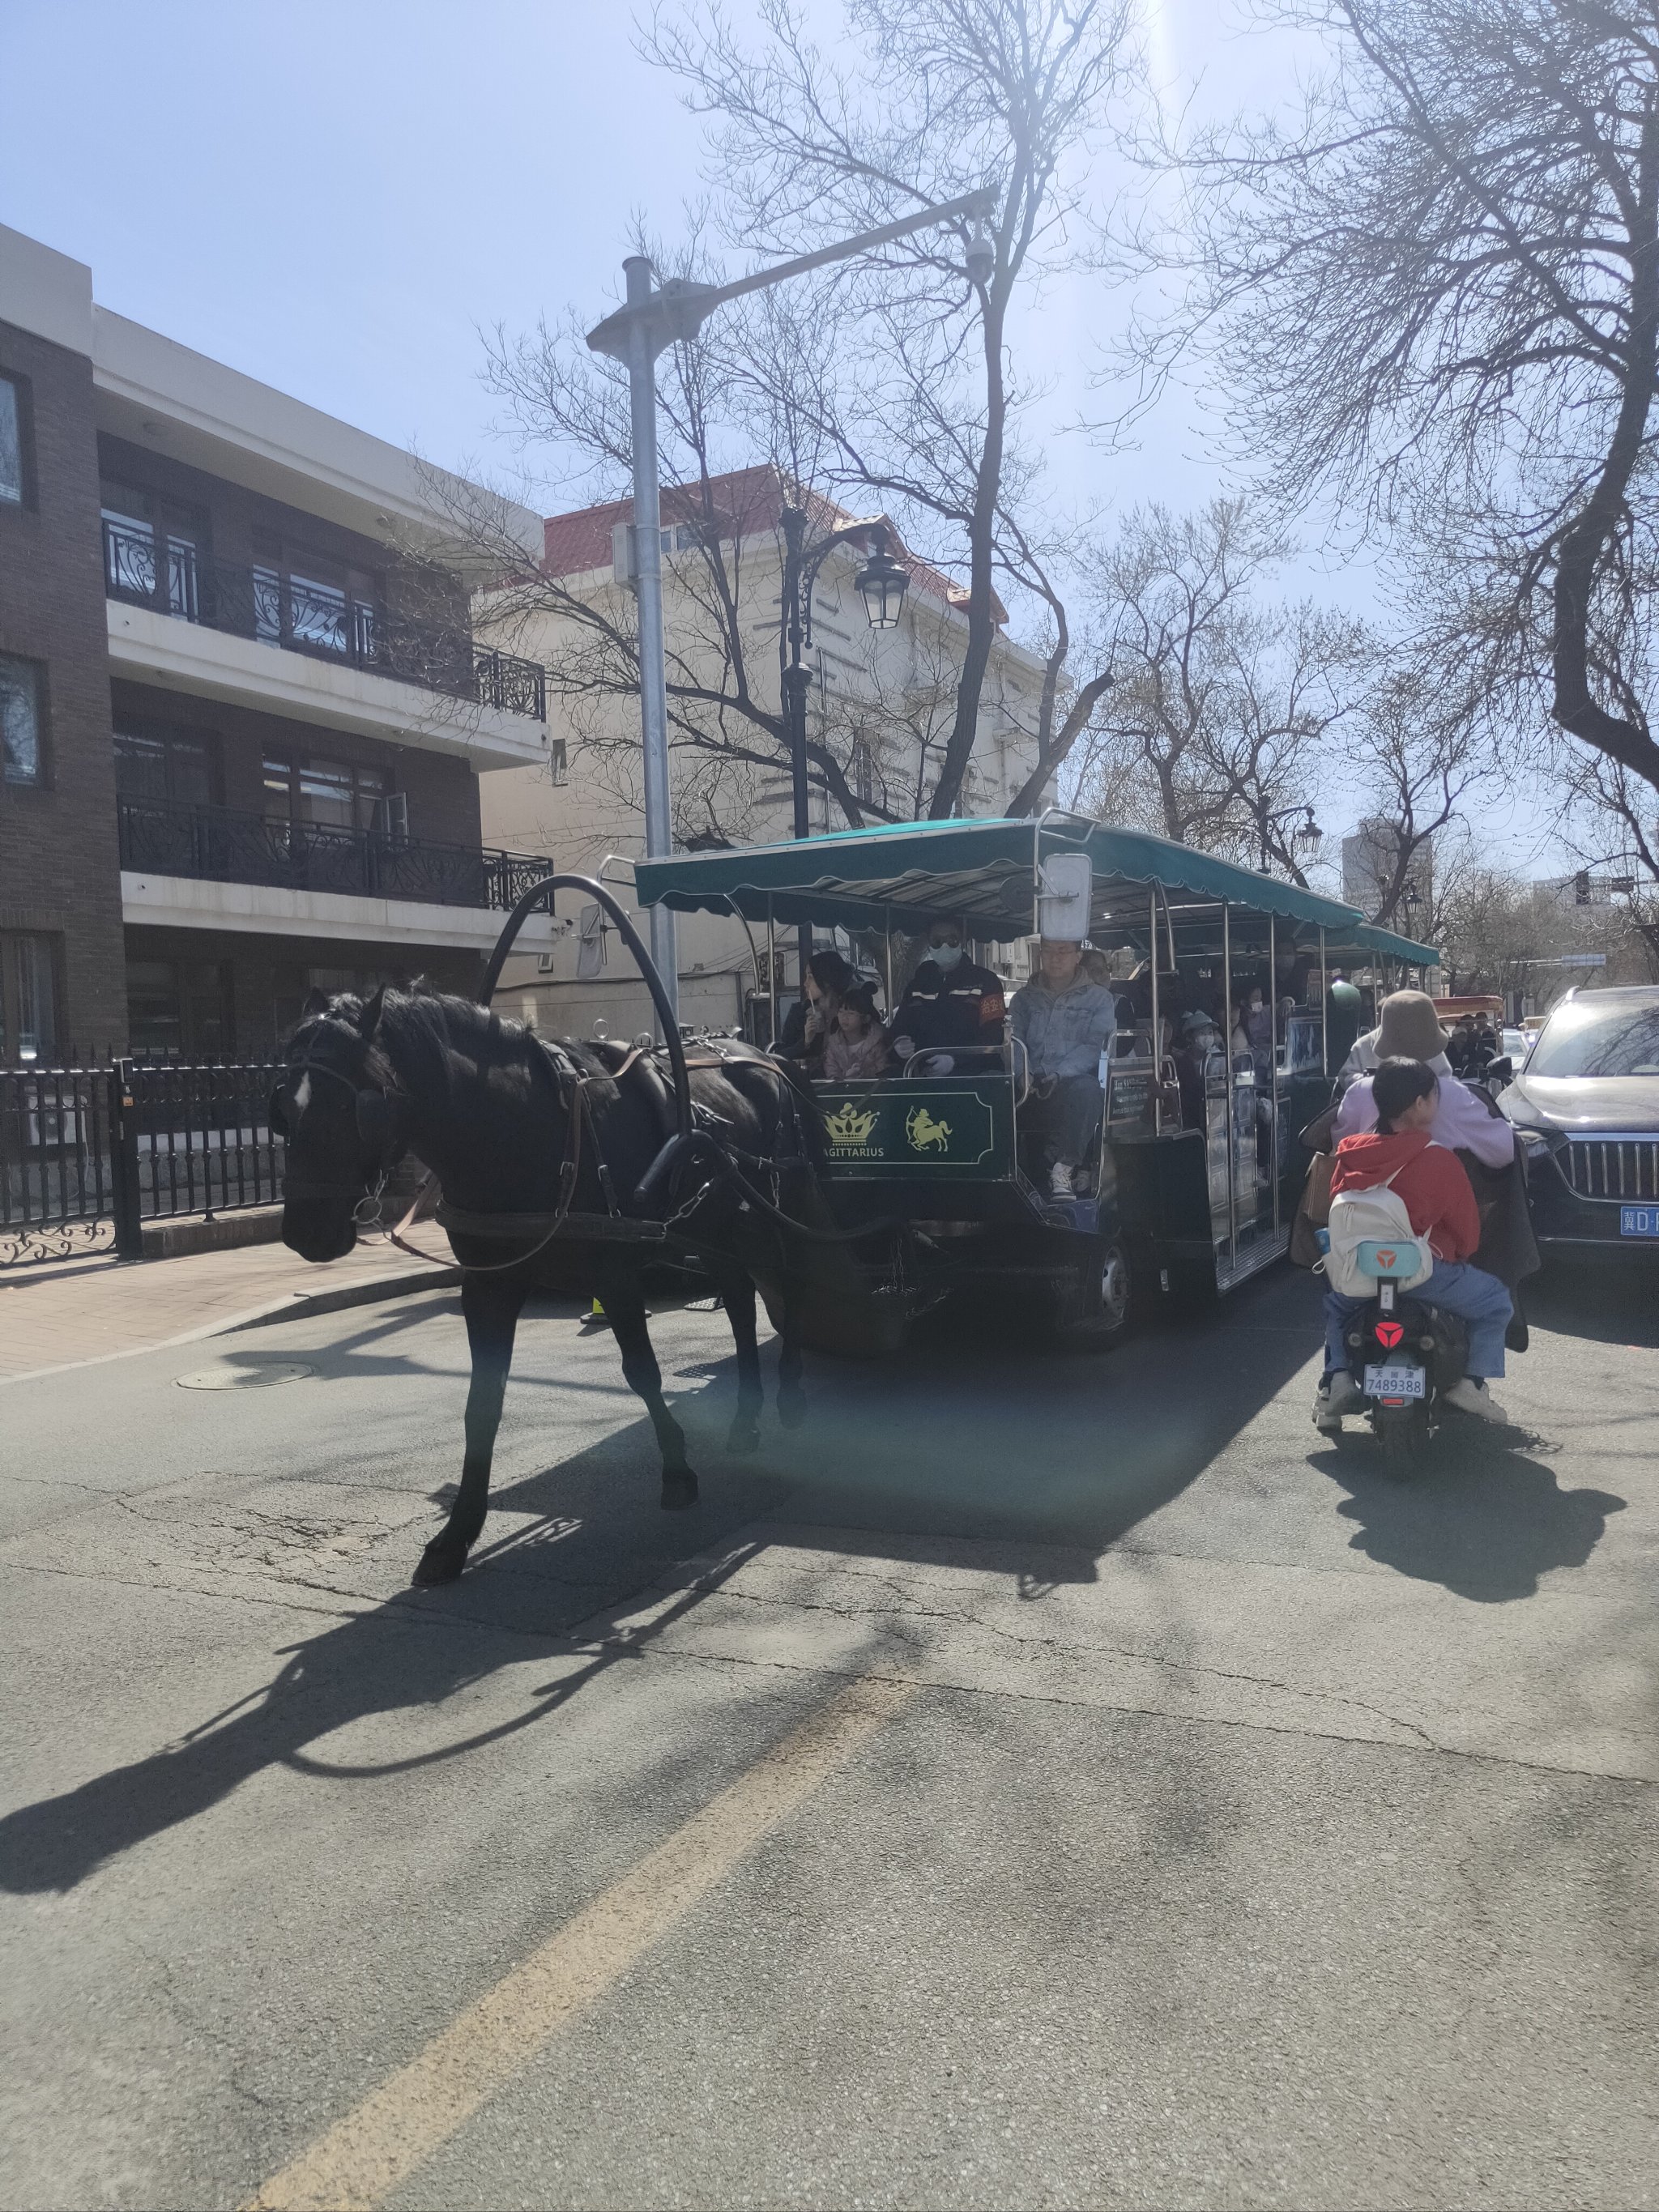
column 59, row 1314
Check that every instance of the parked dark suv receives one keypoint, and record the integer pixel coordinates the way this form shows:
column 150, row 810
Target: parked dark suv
column 1586, row 1105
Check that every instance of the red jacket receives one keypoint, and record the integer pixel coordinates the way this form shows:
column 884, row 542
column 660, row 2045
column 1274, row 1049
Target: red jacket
column 1433, row 1182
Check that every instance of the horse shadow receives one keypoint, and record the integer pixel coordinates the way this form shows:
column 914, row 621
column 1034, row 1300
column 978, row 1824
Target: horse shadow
column 411, row 1652
column 1485, row 1522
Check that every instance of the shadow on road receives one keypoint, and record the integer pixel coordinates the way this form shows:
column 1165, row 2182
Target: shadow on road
column 1483, row 1521
column 1609, row 1298
column 1046, row 1458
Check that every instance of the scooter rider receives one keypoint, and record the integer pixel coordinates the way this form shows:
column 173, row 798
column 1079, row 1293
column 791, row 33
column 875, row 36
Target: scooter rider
column 1440, row 1201
column 1410, row 1029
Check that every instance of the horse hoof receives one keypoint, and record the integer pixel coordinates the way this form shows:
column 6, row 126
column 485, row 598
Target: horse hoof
column 792, row 1408
column 743, row 1435
column 679, row 1491
column 441, row 1562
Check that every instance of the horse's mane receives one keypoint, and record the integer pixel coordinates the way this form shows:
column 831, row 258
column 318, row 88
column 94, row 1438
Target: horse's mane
column 423, row 1032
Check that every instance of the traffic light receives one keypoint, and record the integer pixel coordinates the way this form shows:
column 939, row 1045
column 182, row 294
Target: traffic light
column 1581, row 888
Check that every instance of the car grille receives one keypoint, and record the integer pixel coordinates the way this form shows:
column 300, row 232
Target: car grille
column 1612, row 1167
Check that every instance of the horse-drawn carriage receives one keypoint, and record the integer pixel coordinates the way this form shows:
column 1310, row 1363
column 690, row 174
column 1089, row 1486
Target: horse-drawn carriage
column 578, row 1168
column 1195, row 1177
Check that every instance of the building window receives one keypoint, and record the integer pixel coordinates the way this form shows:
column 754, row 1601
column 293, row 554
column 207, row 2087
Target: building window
column 306, row 600
column 179, row 1010
column 14, row 430
column 20, row 721
column 28, row 999
column 154, row 551
column 329, row 794
column 164, row 767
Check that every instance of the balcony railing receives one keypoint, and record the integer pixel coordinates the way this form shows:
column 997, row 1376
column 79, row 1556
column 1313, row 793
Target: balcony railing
column 177, row 578
column 214, row 845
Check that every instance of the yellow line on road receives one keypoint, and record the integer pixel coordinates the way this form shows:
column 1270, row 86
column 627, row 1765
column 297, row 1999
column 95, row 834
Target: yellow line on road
column 395, row 2128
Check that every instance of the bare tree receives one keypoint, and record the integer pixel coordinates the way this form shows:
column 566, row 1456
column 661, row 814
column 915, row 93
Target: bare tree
column 1221, row 702
column 1415, row 750
column 925, row 409
column 1438, row 300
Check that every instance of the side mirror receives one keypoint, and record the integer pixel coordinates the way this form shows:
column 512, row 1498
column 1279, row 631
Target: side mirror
column 1500, row 1071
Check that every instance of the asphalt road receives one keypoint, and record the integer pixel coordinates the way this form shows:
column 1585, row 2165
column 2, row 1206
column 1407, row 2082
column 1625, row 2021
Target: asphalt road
column 1041, row 1781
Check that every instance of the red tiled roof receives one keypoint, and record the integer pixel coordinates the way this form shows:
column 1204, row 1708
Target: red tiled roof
column 742, row 501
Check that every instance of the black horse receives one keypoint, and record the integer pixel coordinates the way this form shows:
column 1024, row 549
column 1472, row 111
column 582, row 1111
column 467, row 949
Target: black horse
column 541, row 1132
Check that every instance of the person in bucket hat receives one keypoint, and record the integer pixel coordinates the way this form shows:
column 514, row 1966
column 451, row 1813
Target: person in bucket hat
column 1410, row 1029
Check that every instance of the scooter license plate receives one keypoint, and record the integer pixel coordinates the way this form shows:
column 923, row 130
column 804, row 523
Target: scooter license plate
column 1396, row 1383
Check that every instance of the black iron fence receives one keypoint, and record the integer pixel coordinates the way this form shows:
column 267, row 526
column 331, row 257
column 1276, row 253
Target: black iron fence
column 217, row 845
column 87, row 1155
column 300, row 615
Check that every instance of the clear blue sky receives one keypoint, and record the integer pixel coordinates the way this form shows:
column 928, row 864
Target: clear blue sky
column 336, row 198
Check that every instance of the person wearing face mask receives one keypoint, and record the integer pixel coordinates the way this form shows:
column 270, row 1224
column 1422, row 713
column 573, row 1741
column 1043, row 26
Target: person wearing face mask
column 951, row 1003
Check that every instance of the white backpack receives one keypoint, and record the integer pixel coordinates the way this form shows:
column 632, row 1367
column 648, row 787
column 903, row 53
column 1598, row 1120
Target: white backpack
column 1375, row 1216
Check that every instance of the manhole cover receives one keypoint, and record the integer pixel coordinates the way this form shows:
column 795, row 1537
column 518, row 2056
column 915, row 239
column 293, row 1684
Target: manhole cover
column 245, row 1378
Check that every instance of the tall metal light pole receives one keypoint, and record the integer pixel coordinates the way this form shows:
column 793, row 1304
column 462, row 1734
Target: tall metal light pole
column 652, row 318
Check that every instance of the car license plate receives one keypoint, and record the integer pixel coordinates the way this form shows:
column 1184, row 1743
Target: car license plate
column 1638, row 1221
column 1396, row 1383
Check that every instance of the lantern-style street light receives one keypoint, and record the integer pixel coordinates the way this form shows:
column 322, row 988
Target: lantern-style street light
column 881, row 584
column 652, row 318
column 1307, row 833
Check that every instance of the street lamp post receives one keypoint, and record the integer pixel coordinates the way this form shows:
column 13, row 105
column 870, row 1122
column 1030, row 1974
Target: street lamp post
column 1308, row 834
column 880, row 583
column 654, row 317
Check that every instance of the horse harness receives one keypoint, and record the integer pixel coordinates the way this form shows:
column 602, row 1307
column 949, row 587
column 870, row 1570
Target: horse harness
column 380, row 1123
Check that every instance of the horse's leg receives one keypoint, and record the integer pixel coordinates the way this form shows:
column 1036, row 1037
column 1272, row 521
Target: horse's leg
column 737, row 1292
column 490, row 1304
column 792, row 1395
column 624, row 1301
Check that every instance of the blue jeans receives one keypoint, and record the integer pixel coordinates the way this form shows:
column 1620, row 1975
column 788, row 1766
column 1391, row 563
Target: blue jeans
column 1456, row 1288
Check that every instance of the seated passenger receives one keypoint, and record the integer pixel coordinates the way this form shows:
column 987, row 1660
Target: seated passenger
column 951, row 1003
column 1463, row 1121
column 1402, row 1152
column 807, row 1026
column 857, row 1046
column 1064, row 1023
column 1199, row 1040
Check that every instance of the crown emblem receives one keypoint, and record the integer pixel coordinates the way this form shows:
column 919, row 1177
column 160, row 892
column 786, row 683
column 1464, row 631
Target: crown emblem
column 849, row 1126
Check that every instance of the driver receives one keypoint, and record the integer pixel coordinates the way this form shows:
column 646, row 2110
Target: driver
column 951, row 1003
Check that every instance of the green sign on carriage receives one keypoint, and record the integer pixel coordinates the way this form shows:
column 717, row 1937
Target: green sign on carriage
column 900, row 1128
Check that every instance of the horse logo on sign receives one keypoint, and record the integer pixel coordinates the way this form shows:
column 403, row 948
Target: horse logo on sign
column 926, row 1134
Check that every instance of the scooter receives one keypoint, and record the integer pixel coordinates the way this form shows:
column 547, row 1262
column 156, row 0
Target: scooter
column 1403, row 1353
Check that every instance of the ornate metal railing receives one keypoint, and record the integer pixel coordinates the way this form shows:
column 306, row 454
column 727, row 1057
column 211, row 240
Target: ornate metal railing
column 177, row 578
column 215, row 845
column 87, row 1155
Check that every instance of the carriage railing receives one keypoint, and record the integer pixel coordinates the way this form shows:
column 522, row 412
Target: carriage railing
column 89, row 1154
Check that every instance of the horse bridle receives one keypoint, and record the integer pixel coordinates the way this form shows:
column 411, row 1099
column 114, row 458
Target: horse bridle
column 380, row 1115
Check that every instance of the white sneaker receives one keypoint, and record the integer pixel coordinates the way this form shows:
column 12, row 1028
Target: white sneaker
column 1471, row 1396
column 1344, row 1395
column 1060, row 1180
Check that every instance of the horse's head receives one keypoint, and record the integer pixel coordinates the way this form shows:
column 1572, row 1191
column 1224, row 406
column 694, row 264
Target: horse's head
column 337, row 1108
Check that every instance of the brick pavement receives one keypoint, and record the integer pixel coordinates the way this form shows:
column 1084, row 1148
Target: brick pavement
column 57, row 1315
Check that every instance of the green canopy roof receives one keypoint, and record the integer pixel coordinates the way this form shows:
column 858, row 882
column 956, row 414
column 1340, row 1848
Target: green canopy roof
column 1377, row 939
column 906, row 874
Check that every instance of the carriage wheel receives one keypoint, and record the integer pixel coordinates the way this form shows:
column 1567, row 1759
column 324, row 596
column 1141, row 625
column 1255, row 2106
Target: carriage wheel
column 1098, row 1314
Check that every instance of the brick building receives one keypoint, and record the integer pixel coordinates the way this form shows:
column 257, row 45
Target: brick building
column 244, row 711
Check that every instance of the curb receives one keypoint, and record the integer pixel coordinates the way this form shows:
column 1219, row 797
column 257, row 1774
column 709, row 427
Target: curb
column 299, row 1305
column 296, row 1306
